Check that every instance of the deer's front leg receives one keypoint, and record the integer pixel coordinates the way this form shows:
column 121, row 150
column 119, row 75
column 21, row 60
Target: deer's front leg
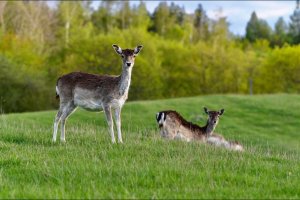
column 110, row 123
column 118, row 123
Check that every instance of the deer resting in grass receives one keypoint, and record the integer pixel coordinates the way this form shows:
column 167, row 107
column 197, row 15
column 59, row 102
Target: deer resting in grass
column 95, row 93
column 173, row 126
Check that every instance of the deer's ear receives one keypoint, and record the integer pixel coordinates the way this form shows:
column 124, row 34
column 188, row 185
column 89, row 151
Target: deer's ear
column 205, row 110
column 117, row 49
column 221, row 111
column 137, row 49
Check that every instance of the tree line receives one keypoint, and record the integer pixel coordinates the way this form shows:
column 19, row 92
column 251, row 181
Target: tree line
column 184, row 54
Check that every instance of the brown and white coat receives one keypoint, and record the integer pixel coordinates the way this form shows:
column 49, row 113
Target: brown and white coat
column 173, row 126
column 95, row 93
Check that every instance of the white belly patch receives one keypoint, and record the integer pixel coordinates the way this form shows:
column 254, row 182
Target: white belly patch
column 88, row 104
column 86, row 100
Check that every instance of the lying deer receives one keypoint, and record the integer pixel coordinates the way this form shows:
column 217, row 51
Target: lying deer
column 95, row 93
column 173, row 126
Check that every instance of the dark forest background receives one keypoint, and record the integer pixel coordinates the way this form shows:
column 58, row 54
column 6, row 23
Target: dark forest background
column 184, row 54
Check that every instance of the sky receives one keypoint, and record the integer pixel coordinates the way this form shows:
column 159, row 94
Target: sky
column 237, row 12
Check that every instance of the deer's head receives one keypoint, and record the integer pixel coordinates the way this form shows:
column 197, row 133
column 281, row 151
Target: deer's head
column 213, row 116
column 128, row 55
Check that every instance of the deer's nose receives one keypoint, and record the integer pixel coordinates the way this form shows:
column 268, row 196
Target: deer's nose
column 128, row 64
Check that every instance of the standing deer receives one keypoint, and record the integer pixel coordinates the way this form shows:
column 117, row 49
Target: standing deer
column 173, row 126
column 95, row 93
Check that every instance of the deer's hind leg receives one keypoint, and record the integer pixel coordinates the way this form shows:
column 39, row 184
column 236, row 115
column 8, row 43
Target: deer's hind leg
column 67, row 110
column 56, row 123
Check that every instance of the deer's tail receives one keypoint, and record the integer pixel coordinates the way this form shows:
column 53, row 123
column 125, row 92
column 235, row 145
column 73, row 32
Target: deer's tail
column 160, row 118
column 56, row 89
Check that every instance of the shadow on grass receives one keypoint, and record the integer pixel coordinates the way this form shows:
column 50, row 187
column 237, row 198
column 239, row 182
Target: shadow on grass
column 25, row 140
column 9, row 163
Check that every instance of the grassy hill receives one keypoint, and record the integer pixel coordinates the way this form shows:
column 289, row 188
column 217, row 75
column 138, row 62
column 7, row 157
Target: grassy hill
column 146, row 166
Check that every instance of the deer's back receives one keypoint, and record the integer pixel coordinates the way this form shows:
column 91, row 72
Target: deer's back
column 67, row 83
column 86, row 80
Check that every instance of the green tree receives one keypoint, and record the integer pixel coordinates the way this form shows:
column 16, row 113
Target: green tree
column 103, row 18
column 161, row 19
column 257, row 29
column 2, row 21
column 177, row 13
column 125, row 15
column 201, row 23
column 141, row 17
column 220, row 34
column 294, row 28
column 23, row 75
column 279, row 72
column 72, row 20
column 169, row 21
column 32, row 20
column 280, row 33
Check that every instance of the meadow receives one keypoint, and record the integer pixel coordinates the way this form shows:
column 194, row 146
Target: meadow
column 147, row 166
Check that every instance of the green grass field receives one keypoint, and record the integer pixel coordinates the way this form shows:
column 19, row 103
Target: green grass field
column 147, row 166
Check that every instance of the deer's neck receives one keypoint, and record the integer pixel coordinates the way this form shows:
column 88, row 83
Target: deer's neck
column 125, row 81
column 209, row 128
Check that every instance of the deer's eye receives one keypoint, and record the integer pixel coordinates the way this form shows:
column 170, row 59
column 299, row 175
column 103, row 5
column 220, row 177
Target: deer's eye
column 134, row 56
column 122, row 56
